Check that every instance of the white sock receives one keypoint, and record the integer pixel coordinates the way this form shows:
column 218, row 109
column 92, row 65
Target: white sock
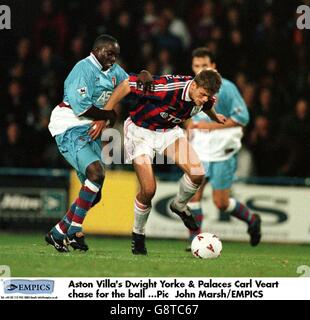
column 186, row 190
column 195, row 205
column 141, row 214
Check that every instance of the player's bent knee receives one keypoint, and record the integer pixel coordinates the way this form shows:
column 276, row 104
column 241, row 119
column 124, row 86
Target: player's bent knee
column 221, row 204
column 97, row 178
column 95, row 173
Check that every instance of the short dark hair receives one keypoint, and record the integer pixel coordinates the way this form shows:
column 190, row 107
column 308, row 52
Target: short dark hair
column 210, row 80
column 102, row 40
column 202, row 52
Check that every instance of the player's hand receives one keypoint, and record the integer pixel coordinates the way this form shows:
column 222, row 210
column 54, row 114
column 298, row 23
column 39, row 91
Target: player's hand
column 209, row 104
column 96, row 128
column 203, row 125
column 219, row 118
column 145, row 81
column 110, row 118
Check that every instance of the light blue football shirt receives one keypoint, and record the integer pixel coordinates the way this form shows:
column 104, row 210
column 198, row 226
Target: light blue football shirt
column 87, row 85
column 229, row 103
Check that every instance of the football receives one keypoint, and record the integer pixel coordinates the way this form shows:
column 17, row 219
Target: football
column 206, row 246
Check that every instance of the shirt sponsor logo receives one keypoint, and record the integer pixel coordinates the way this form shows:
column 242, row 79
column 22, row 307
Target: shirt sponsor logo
column 105, row 96
column 170, row 117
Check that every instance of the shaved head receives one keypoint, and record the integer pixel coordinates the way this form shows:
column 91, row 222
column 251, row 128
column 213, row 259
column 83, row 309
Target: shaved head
column 102, row 40
column 106, row 49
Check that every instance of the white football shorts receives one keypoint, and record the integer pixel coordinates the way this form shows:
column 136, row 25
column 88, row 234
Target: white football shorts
column 141, row 141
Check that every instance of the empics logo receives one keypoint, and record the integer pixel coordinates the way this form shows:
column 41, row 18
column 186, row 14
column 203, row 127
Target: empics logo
column 5, row 17
column 28, row 286
column 303, row 20
column 10, row 287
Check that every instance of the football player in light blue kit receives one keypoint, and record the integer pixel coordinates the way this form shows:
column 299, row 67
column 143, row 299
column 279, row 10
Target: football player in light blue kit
column 76, row 124
column 217, row 147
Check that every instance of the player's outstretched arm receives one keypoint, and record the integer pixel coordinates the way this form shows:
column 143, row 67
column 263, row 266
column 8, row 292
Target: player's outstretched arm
column 98, row 114
column 217, row 117
column 208, row 109
column 108, row 114
column 144, row 81
column 120, row 92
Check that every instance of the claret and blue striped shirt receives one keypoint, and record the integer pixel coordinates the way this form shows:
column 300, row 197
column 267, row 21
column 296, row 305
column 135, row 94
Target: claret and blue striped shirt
column 168, row 105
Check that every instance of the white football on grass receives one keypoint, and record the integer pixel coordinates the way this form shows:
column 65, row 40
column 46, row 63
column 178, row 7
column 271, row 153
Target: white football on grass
column 206, row 246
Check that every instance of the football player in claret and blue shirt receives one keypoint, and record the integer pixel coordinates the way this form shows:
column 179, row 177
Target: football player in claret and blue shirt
column 217, row 147
column 76, row 124
column 152, row 127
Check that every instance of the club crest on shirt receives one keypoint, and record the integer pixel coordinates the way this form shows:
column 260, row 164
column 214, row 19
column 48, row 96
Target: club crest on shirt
column 195, row 110
column 114, row 81
column 82, row 91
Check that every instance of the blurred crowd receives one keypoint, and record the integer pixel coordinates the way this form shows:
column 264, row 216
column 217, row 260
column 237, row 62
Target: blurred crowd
column 256, row 43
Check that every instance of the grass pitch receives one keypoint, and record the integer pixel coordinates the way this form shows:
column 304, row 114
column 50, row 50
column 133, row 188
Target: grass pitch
column 29, row 256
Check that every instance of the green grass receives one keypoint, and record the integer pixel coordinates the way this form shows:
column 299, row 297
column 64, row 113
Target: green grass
column 27, row 255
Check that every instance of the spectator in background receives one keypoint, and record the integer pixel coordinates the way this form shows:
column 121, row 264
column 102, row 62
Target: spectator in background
column 249, row 94
column 17, row 72
column 15, row 106
column 241, row 80
column 123, row 31
column 268, row 37
column 153, row 66
column 104, row 18
column 41, row 137
column 49, row 72
column 262, row 147
column 42, row 113
column 147, row 52
column 165, row 64
column 272, row 77
column 23, row 51
column 177, row 27
column 77, row 51
column 295, row 132
column 14, row 153
column 51, row 27
column 214, row 47
column 264, row 106
column 24, row 55
column 217, row 35
column 249, row 91
column 269, row 152
column 204, row 25
column 148, row 25
column 268, row 72
column 164, row 39
column 236, row 53
column 21, row 67
column 233, row 20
